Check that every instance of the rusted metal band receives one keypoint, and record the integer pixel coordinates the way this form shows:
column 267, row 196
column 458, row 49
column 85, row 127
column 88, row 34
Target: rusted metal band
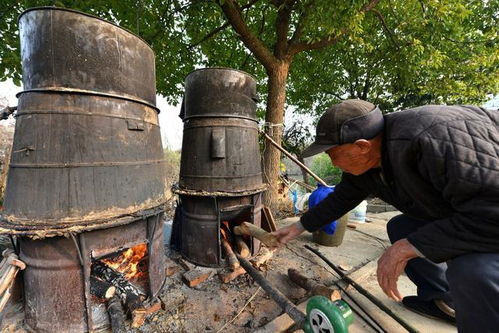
column 201, row 193
column 37, row 231
column 214, row 115
column 91, row 114
column 64, row 90
column 221, row 177
column 83, row 165
column 189, row 126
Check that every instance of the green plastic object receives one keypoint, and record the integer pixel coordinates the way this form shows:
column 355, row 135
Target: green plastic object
column 324, row 316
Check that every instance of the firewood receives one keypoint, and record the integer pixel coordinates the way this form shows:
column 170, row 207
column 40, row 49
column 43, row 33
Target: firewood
column 130, row 295
column 313, row 287
column 13, row 266
column 8, row 254
column 116, row 314
column 250, row 229
column 229, row 253
column 139, row 318
column 101, row 289
column 227, row 277
column 242, row 247
column 6, row 296
column 262, row 257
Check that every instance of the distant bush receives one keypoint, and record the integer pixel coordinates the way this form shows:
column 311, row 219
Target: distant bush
column 322, row 167
column 172, row 158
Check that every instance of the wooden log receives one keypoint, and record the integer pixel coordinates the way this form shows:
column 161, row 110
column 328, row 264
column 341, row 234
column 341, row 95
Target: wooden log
column 262, row 257
column 101, row 289
column 7, row 254
column 130, row 295
column 313, row 287
column 229, row 254
column 276, row 295
column 116, row 314
column 6, row 296
column 227, row 277
column 250, row 229
column 139, row 319
column 242, row 247
column 13, row 266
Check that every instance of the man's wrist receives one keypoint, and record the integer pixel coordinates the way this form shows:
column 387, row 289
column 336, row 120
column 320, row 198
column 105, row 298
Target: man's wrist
column 407, row 249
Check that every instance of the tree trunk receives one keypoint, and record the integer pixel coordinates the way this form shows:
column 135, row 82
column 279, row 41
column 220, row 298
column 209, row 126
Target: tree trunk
column 304, row 174
column 274, row 118
column 4, row 171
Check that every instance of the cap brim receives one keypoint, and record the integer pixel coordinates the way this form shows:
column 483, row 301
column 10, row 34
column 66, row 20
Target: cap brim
column 315, row 149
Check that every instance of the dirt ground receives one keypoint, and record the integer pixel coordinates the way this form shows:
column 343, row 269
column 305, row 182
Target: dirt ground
column 241, row 306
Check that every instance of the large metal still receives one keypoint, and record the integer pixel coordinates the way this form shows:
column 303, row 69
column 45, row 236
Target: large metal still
column 220, row 170
column 87, row 145
column 87, row 173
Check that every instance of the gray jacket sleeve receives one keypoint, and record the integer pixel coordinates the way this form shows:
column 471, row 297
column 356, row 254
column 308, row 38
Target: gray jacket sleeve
column 460, row 160
column 345, row 197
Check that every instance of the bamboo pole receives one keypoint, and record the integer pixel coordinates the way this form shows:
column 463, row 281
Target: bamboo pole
column 294, row 159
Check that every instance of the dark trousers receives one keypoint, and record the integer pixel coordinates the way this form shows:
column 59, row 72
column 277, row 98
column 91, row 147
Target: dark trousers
column 470, row 283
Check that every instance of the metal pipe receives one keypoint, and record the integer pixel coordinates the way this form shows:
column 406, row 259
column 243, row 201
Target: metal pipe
column 364, row 292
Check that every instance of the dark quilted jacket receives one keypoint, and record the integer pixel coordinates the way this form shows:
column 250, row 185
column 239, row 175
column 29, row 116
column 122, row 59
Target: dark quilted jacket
column 439, row 164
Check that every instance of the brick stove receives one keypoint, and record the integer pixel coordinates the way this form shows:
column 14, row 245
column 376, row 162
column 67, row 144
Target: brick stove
column 220, row 171
column 86, row 181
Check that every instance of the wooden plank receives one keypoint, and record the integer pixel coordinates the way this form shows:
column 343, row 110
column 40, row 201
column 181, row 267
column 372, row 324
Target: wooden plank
column 268, row 222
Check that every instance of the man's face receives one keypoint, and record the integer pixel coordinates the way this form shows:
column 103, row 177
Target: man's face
column 350, row 158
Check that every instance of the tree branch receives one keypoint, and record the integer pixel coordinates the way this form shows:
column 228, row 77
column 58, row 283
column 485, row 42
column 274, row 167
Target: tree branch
column 222, row 27
column 385, row 27
column 209, row 35
column 299, row 27
column 282, row 28
column 232, row 12
column 331, row 38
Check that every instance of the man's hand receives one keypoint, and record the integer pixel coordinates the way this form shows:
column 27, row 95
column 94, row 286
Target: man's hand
column 392, row 264
column 288, row 233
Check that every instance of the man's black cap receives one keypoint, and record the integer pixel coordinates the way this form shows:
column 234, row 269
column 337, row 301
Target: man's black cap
column 346, row 122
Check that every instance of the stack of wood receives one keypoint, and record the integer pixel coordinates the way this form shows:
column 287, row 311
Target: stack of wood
column 245, row 229
column 9, row 267
column 121, row 295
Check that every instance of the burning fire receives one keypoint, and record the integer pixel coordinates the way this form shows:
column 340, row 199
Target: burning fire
column 129, row 261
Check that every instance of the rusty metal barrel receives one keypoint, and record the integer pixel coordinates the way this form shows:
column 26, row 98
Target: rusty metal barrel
column 220, row 151
column 87, row 146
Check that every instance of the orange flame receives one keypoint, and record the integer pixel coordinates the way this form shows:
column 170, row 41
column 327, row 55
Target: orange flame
column 128, row 261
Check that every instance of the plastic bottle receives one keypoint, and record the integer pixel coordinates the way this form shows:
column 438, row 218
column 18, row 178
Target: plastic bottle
column 358, row 214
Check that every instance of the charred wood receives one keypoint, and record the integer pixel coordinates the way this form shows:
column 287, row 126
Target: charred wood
column 116, row 314
column 313, row 287
column 101, row 289
column 128, row 293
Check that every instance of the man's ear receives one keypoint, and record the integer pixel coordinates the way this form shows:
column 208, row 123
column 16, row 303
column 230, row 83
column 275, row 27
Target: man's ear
column 364, row 145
